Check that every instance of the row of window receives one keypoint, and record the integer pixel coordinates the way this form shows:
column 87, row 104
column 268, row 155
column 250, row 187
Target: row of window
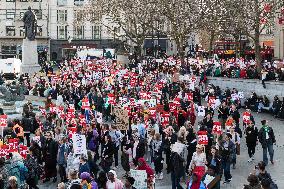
column 11, row 14
column 11, row 31
column 79, row 32
column 64, row 2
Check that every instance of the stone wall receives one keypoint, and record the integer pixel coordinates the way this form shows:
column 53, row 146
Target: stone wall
column 250, row 85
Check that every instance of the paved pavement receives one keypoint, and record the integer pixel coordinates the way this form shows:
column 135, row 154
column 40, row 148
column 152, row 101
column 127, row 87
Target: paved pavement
column 243, row 168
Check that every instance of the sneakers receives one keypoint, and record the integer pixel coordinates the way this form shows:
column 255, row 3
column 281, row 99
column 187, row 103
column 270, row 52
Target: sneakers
column 272, row 162
column 252, row 157
column 250, row 160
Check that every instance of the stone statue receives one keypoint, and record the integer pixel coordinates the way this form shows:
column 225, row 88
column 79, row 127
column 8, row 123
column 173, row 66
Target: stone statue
column 30, row 25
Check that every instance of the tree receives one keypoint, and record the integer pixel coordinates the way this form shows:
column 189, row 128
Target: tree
column 132, row 18
column 213, row 20
column 252, row 17
column 182, row 18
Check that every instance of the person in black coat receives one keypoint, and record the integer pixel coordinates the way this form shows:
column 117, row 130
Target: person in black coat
column 251, row 139
column 267, row 138
column 223, row 112
column 138, row 148
column 49, row 151
column 235, row 115
column 208, row 121
column 107, row 154
column 27, row 124
column 191, row 146
column 214, row 159
column 169, row 138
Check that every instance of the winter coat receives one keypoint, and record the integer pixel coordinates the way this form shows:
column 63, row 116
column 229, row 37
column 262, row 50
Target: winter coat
column 251, row 135
column 262, row 137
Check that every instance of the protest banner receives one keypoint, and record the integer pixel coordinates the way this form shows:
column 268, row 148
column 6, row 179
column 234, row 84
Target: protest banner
column 121, row 118
column 202, row 137
column 201, row 111
column 140, row 178
column 79, row 144
column 246, row 117
column 99, row 117
column 217, row 129
column 3, row 121
column 241, row 95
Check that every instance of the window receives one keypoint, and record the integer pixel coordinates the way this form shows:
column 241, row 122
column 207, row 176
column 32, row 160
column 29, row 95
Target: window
column 96, row 17
column 22, row 13
column 79, row 32
column 10, row 31
column 61, row 32
column 37, row 0
column 22, row 31
column 23, row 0
column 38, row 13
column 10, row 14
column 61, row 2
column 96, row 32
column 9, row 49
column 39, row 31
column 268, row 31
column 10, row 0
column 61, row 15
column 78, row 2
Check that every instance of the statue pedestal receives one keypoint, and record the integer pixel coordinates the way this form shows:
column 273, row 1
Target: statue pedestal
column 29, row 57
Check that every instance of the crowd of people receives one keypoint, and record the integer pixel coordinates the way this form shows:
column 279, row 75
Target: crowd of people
column 162, row 130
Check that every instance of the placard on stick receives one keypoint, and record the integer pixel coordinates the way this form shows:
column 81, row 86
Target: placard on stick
column 121, row 118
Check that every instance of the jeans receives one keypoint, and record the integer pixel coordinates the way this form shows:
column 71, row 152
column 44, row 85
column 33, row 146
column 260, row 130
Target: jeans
column 175, row 181
column 226, row 167
column 270, row 151
column 251, row 149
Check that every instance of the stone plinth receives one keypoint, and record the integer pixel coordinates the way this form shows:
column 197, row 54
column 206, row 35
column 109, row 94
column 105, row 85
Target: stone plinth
column 29, row 57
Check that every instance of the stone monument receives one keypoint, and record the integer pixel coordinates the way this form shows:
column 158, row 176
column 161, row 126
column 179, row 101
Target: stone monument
column 29, row 48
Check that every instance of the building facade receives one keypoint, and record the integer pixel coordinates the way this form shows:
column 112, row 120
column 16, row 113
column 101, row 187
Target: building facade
column 12, row 27
column 67, row 36
column 279, row 35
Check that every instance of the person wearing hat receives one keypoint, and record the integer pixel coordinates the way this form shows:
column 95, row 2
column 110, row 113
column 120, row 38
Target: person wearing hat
column 87, row 181
column 129, row 182
column 267, row 138
column 113, row 182
column 227, row 149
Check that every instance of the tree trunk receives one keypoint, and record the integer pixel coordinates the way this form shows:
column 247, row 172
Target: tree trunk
column 180, row 50
column 212, row 36
column 258, row 57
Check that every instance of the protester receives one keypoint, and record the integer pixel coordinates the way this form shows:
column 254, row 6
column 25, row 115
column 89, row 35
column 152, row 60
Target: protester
column 113, row 182
column 227, row 150
column 49, row 151
column 267, row 139
column 251, row 133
